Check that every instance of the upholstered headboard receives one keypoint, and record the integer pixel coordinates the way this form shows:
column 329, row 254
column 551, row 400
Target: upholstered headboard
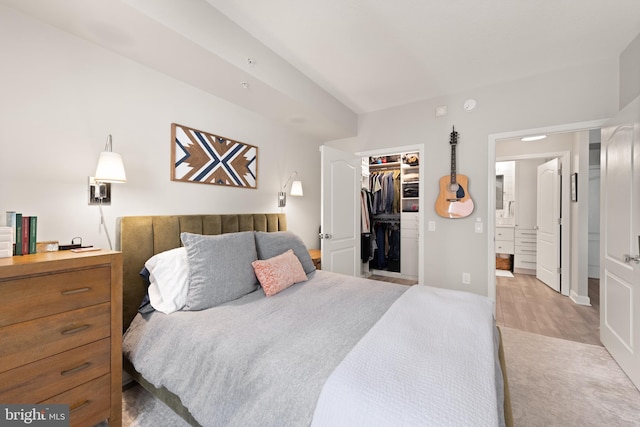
column 141, row 237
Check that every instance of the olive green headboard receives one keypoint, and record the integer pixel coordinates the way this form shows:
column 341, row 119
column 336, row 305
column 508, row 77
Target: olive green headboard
column 141, row 237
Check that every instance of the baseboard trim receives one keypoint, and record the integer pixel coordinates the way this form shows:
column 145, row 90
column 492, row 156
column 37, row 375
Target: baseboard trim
column 579, row 299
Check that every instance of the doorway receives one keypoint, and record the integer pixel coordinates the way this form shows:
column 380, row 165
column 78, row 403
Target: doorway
column 399, row 227
column 523, row 216
column 575, row 264
column 341, row 183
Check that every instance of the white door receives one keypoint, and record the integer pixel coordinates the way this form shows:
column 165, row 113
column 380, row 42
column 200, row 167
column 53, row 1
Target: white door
column 340, row 216
column 594, row 222
column 548, row 224
column 619, row 230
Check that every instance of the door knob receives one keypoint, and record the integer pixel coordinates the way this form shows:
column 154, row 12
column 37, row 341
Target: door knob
column 324, row 236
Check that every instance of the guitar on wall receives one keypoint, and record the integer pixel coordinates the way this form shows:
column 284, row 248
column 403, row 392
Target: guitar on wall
column 454, row 200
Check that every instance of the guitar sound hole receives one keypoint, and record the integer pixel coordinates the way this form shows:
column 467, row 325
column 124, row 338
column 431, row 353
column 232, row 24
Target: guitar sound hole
column 453, row 187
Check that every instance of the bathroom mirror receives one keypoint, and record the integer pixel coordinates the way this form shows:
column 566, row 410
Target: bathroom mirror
column 499, row 191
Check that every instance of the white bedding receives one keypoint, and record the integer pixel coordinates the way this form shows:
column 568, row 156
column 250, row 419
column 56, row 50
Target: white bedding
column 429, row 361
column 420, row 356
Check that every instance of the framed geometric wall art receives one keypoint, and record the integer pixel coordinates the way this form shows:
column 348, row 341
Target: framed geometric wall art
column 205, row 158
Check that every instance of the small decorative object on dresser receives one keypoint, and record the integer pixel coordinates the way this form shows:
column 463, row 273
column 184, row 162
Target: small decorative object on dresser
column 60, row 329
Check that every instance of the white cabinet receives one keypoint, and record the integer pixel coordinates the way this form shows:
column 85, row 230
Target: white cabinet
column 505, row 240
column 409, row 240
column 525, row 232
column 525, row 250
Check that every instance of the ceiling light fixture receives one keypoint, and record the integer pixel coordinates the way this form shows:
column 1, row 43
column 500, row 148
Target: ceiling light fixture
column 533, row 138
column 244, row 85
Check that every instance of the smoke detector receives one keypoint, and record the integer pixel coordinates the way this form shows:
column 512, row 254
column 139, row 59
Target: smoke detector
column 470, row 104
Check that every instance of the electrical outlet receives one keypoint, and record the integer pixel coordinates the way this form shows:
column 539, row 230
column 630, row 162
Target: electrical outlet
column 466, row 278
column 432, row 226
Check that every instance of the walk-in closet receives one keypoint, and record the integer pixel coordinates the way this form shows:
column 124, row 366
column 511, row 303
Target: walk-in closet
column 390, row 221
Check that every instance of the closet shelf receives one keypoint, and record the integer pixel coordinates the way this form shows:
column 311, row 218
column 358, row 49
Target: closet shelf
column 383, row 166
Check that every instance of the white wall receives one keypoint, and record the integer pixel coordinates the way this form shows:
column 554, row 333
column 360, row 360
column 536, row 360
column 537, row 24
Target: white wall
column 62, row 96
column 630, row 72
column 580, row 221
column 566, row 96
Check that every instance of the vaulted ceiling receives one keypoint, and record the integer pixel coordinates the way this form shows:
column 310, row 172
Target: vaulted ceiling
column 316, row 64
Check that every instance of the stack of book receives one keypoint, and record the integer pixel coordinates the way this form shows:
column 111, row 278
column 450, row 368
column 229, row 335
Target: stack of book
column 6, row 242
column 24, row 229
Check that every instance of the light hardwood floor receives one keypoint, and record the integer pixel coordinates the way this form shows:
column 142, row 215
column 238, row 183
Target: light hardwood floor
column 525, row 303
column 398, row 280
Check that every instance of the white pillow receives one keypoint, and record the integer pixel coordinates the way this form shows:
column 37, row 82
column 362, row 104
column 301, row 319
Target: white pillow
column 169, row 280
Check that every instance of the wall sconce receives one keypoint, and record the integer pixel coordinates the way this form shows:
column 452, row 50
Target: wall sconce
column 110, row 170
column 296, row 190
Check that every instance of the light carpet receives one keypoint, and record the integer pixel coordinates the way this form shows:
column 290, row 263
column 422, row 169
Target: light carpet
column 553, row 382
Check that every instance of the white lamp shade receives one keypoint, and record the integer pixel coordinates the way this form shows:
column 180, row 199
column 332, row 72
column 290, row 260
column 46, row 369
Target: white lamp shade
column 110, row 168
column 296, row 188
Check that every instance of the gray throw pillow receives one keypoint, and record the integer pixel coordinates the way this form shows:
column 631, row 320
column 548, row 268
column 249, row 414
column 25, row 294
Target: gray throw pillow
column 219, row 268
column 270, row 244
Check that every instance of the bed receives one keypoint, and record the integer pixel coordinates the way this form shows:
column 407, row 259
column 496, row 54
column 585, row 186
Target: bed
column 327, row 350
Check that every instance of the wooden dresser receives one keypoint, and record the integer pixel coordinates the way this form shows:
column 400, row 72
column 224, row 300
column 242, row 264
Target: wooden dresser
column 61, row 333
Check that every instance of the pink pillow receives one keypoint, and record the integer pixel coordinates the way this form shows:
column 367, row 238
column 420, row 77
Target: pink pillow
column 278, row 273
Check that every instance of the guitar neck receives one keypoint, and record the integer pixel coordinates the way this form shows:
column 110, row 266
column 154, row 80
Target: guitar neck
column 453, row 164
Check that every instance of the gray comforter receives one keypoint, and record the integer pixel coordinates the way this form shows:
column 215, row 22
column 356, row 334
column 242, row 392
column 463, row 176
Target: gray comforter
column 258, row 361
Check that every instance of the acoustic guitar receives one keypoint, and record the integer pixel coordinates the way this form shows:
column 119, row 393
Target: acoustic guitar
column 454, row 200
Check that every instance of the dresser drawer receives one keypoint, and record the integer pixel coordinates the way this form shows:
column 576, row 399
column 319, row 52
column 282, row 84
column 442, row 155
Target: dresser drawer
column 526, row 233
column 88, row 404
column 409, row 223
column 504, row 247
column 32, row 297
column 526, row 241
column 525, row 261
column 504, row 233
column 36, row 339
column 526, row 250
column 48, row 377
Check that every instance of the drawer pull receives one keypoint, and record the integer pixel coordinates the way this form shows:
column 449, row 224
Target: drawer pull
column 528, row 250
column 75, row 291
column 80, row 406
column 76, row 369
column 75, row 330
column 526, row 241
